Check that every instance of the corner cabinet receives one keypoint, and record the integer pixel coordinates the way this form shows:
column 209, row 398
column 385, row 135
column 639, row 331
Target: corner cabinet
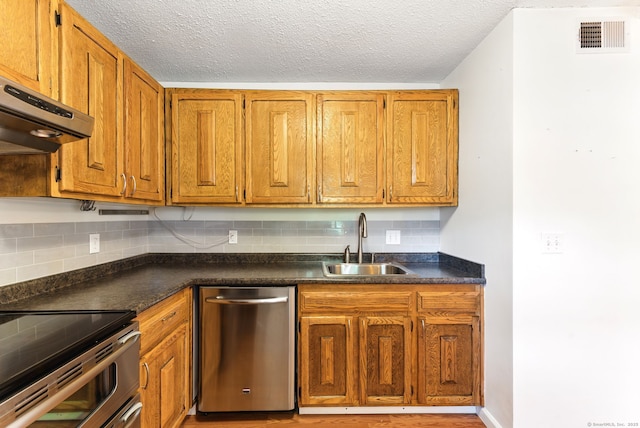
column 422, row 147
column 397, row 345
column 123, row 160
column 165, row 362
column 279, row 135
column 144, row 135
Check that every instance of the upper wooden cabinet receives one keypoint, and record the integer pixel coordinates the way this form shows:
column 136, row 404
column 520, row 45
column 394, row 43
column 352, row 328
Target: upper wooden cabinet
column 28, row 44
column 320, row 148
column 350, row 147
column 144, row 133
column 206, row 146
column 123, row 160
column 91, row 81
column 279, row 135
column 422, row 147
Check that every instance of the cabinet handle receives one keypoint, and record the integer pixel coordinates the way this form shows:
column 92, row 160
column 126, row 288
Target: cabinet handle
column 124, row 183
column 308, row 192
column 319, row 194
column 423, row 326
column 135, row 185
column 168, row 317
column 146, row 369
column 236, row 193
column 390, row 193
column 131, row 415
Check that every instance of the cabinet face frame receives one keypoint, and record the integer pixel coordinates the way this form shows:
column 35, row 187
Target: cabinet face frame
column 350, row 151
column 422, row 147
column 217, row 150
column 280, row 147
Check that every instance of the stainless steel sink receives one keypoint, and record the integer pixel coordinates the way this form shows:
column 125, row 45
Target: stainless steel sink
column 364, row 269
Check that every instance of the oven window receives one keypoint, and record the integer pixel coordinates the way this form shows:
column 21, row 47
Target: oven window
column 79, row 406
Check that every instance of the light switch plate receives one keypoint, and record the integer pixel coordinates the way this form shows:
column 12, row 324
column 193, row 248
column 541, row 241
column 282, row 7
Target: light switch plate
column 552, row 243
column 233, row 237
column 94, row 243
column 393, row 237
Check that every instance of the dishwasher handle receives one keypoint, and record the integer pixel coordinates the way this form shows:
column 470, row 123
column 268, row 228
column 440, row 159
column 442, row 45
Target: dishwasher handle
column 235, row 301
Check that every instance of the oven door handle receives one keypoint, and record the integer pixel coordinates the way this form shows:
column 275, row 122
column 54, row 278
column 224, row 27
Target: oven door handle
column 131, row 415
column 33, row 414
column 232, row 301
column 129, row 336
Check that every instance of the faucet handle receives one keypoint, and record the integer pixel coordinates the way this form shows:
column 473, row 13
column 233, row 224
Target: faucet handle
column 347, row 254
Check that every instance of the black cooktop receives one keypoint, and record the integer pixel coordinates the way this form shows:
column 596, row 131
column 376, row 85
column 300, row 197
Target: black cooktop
column 33, row 344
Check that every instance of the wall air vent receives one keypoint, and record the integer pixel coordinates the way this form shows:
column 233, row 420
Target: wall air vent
column 599, row 36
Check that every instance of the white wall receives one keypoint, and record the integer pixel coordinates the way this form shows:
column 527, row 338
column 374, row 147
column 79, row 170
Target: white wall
column 576, row 157
column 480, row 228
column 574, row 171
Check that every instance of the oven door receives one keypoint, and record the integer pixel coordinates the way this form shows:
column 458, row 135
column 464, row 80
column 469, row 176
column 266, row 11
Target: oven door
column 88, row 391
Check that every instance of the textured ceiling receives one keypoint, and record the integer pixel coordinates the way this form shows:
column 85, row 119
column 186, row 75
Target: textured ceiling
column 372, row 41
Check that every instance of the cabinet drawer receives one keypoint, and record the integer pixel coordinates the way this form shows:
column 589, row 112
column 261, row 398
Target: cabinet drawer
column 360, row 300
column 162, row 319
column 450, row 299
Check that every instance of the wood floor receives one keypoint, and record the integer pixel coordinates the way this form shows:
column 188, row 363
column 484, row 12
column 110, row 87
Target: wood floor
column 292, row 420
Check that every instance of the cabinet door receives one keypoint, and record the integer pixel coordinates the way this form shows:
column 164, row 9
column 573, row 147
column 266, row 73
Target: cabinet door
column 91, row 81
column 385, row 360
column 350, row 147
column 449, row 361
column 206, row 147
column 422, row 144
column 327, row 361
column 164, row 382
column 279, row 136
column 27, row 44
column 143, row 124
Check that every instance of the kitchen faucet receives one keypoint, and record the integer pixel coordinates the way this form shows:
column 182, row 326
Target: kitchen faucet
column 362, row 233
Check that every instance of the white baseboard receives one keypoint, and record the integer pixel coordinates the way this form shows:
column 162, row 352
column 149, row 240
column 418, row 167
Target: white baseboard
column 386, row 410
column 487, row 418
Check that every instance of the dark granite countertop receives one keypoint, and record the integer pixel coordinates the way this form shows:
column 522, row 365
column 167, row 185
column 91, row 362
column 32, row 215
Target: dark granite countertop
column 139, row 282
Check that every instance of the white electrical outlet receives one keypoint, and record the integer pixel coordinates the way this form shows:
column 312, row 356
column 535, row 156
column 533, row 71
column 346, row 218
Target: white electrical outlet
column 233, row 237
column 94, row 243
column 393, row 237
column 552, row 243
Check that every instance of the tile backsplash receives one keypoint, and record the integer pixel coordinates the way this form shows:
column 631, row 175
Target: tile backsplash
column 34, row 250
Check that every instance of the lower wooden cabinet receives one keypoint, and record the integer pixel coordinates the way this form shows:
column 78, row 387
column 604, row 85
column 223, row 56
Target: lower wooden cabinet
column 363, row 345
column 385, row 360
column 447, row 364
column 327, row 360
column 165, row 362
column 162, row 381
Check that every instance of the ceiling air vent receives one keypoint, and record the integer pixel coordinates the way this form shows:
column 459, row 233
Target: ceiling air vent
column 598, row 36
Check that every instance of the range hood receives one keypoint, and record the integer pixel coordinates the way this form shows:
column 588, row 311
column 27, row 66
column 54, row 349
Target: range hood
column 33, row 123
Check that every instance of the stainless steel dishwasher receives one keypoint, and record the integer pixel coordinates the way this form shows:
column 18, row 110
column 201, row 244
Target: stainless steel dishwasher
column 246, row 349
